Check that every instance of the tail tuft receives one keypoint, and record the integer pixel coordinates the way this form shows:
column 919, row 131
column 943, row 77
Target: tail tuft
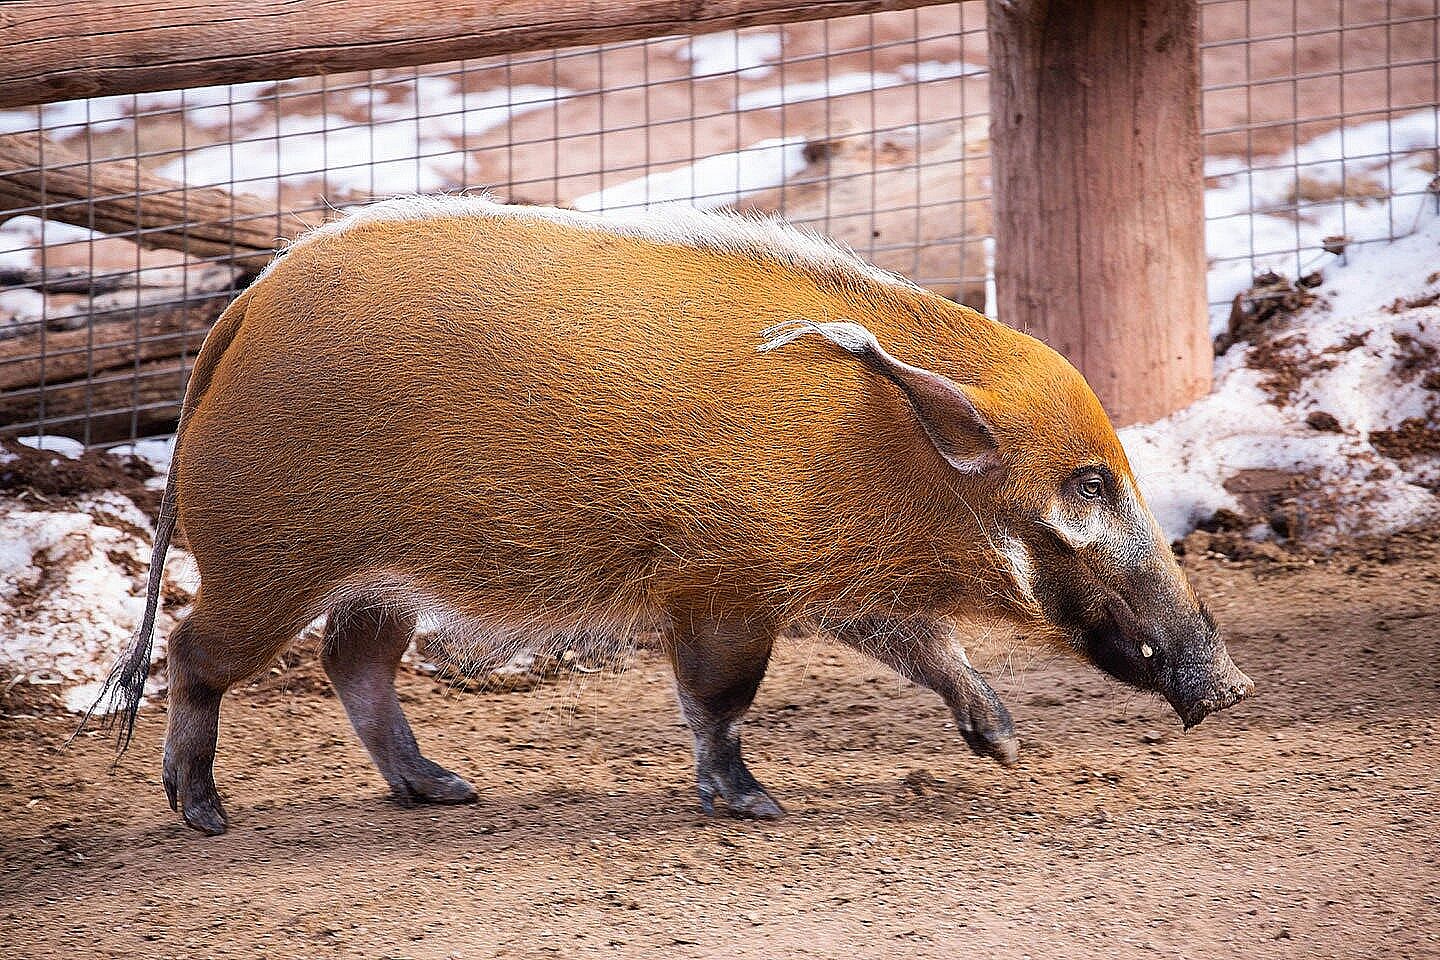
column 119, row 699
column 118, row 702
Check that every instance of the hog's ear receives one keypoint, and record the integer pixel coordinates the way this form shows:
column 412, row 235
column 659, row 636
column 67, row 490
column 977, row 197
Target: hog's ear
column 945, row 409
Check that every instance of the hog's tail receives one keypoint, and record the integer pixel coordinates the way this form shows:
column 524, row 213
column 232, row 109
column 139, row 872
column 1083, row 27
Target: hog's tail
column 119, row 699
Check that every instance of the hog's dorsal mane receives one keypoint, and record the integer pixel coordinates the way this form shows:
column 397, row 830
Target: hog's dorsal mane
column 758, row 239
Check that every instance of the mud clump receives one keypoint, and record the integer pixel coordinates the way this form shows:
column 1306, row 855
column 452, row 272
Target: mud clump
column 1272, row 298
column 1414, row 437
column 55, row 480
column 1282, row 354
column 1236, row 547
column 1402, row 304
column 1278, row 509
column 1284, row 358
column 1286, row 361
column 1415, row 358
column 1284, row 371
column 1290, row 503
column 1323, row 422
column 1225, row 521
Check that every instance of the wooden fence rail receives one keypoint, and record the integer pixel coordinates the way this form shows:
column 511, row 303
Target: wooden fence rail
column 114, row 196
column 65, row 49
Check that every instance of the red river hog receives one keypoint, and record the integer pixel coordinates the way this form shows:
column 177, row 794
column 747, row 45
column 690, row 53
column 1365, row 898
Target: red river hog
column 534, row 423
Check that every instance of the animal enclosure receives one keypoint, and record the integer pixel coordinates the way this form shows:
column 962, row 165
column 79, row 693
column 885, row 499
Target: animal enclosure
column 128, row 220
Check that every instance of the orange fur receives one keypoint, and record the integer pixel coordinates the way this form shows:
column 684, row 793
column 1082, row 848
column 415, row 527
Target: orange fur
column 542, row 424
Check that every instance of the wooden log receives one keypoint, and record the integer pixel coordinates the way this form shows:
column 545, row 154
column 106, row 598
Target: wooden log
column 115, row 197
column 103, row 409
column 63, row 49
column 154, row 331
column 1099, row 203
column 64, row 279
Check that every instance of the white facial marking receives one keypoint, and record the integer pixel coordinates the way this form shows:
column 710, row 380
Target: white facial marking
column 1145, row 651
column 1124, row 534
column 1022, row 570
column 1083, row 528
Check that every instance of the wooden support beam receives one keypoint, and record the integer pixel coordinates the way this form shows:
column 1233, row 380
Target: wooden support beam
column 1099, row 192
column 65, row 49
column 141, row 401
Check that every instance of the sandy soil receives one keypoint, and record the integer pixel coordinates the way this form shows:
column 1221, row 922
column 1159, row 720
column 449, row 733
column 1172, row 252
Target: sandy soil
column 1300, row 824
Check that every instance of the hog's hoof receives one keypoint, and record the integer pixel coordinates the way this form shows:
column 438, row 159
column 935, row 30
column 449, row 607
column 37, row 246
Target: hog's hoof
column 432, row 786
column 752, row 804
column 1002, row 747
column 202, row 811
column 208, row 818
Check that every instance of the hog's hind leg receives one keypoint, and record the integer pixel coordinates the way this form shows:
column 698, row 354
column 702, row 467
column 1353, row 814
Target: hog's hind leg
column 208, row 653
column 363, row 646
column 718, row 668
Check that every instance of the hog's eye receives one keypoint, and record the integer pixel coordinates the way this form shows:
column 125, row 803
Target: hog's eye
column 1091, row 486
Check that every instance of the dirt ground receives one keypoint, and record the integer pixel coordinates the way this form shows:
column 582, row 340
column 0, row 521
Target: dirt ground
column 1300, row 824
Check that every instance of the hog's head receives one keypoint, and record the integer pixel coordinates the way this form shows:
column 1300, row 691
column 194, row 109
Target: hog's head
column 1039, row 464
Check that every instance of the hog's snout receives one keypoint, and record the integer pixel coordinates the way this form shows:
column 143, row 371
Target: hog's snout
column 1195, row 694
column 1183, row 658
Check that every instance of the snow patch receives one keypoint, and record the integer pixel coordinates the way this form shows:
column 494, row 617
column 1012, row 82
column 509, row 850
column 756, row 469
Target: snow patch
column 156, row 451
column 845, row 84
column 1350, row 349
column 1366, row 182
column 840, row 85
column 21, row 306
column 745, row 54
column 928, row 70
column 412, row 147
column 96, row 114
column 709, row 183
column 65, row 446
column 22, row 237
column 211, row 107
column 72, row 589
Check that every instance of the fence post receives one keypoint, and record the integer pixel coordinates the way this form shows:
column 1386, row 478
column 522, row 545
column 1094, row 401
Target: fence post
column 1099, row 192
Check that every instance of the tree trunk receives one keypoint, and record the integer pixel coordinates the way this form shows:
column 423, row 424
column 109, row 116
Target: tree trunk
column 1099, row 192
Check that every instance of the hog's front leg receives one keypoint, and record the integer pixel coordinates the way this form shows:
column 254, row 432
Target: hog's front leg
column 924, row 651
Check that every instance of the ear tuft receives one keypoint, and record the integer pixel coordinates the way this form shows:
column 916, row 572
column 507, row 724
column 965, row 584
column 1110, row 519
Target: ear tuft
column 847, row 336
column 946, row 410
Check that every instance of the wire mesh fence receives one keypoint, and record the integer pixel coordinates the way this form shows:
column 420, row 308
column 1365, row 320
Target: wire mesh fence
column 1320, row 125
column 129, row 221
